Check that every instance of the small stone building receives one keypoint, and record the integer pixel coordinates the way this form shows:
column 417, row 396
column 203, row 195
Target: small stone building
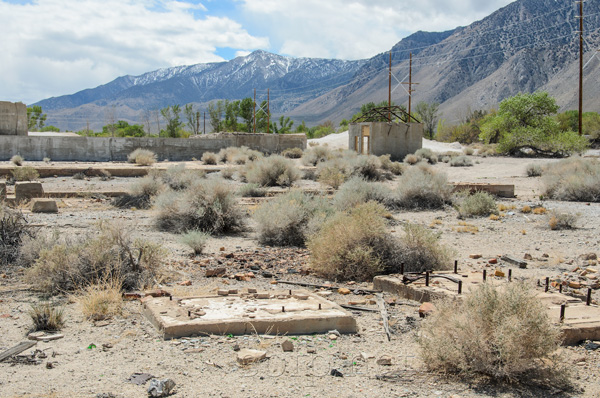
column 371, row 136
column 13, row 118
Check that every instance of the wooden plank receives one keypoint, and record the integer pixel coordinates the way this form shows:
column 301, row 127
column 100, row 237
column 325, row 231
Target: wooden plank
column 515, row 261
column 19, row 348
column 384, row 315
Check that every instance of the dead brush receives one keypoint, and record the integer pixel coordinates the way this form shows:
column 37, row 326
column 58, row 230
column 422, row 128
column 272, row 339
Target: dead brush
column 46, row 317
column 101, row 301
column 562, row 220
column 504, row 334
column 13, row 232
column 422, row 188
column 573, row 179
column 272, row 171
column 142, row 157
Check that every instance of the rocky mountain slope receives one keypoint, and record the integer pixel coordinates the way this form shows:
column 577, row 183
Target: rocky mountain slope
column 525, row 46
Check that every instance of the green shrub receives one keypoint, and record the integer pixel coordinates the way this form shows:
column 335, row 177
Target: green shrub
column 534, row 170
column 574, row 179
column 142, row 157
column 17, row 160
column 196, row 240
column 422, row 188
column 501, row 333
column 562, row 220
column 354, row 245
column 109, row 255
column 289, row 219
column 271, row 171
column 358, row 191
column 421, row 250
column 478, row 204
column 46, row 317
column 209, row 158
column 208, row 206
column 293, row 153
column 461, row 161
column 13, row 232
column 25, row 173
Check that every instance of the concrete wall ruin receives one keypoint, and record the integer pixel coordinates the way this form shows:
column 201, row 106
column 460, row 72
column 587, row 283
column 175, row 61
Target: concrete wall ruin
column 382, row 138
column 106, row 149
column 13, row 118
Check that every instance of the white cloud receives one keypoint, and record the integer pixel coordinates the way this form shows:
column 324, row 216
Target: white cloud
column 354, row 29
column 55, row 47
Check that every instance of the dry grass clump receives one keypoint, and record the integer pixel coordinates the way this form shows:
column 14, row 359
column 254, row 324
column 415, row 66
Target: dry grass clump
column 142, row 193
column 422, row 188
column 478, row 204
column 562, row 220
column 411, row 159
column 333, row 172
column 240, row 155
column 208, row 205
column 526, row 209
column 421, row 250
column 142, row 157
column 354, row 245
column 539, row 210
column 25, row 173
column 466, row 228
column 17, row 160
column 573, row 179
column 358, row 191
column 534, row 170
column 293, row 153
column 461, row 161
column 111, row 254
column 101, row 300
column 426, row 154
column 209, row 158
column 501, row 333
column 46, row 317
column 178, row 178
column 316, row 154
column 468, row 151
column 251, row 191
column 396, row 168
column 196, row 240
column 14, row 231
column 289, row 219
column 271, row 171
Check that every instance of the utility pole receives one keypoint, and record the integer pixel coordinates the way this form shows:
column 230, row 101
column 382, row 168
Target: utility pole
column 204, row 130
column 268, row 110
column 254, row 129
column 580, row 67
column 197, row 121
column 390, row 90
column 410, row 89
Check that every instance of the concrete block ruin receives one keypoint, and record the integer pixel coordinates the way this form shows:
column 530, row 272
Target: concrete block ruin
column 25, row 190
column 109, row 149
column 13, row 119
column 247, row 312
column 382, row 138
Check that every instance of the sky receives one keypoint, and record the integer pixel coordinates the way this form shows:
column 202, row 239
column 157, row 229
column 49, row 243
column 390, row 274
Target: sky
column 57, row 47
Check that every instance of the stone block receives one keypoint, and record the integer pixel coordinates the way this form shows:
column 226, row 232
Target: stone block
column 28, row 190
column 43, row 206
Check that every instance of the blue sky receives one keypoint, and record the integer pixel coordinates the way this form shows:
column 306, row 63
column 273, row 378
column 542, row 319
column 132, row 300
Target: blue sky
column 57, row 47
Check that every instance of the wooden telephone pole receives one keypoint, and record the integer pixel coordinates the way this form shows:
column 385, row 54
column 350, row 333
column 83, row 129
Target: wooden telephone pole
column 390, row 91
column 410, row 89
column 580, row 67
column 254, row 129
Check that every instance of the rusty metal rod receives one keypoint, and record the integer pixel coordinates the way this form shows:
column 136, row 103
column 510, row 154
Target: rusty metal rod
column 560, row 288
column 459, row 287
column 547, row 284
column 401, row 268
column 562, row 312
column 426, row 278
column 456, row 266
column 282, row 308
column 484, row 275
column 589, row 297
column 510, row 275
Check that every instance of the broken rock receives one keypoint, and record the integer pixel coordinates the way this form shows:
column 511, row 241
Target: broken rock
column 385, row 360
column 248, row 356
column 425, row 309
column 287, row 346
column 160, row 388
column 344, row 291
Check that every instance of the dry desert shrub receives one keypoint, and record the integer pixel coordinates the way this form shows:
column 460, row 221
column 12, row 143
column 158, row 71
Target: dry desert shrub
column 209, row 158
column 562, row 220
column 332, row 172
column 501, row 333
column 142, row 157
column 251, row 191
column 411, row 159
column 421, row 250
column 461, row 161
column 422, row 188
column 396, row 168
column 46, row 317
column 316, row 154
column 101, row 300
column 426, row 154
column 534, row 170
column 111, row 254
column 14, row 231
column 293, row 153
column 354, row 245
column 141, row 194
column 573, row 179
column 271, row 171
column 468, row 151
column 478, row 204
column 17, row 160
column 366, row 167
column 288, row 220
column 208, row 206
column 25, row 173
column 196, row 240
column 358, row 191
column 178, row 177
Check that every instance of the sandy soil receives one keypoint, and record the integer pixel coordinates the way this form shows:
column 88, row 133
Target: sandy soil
column 132, row 344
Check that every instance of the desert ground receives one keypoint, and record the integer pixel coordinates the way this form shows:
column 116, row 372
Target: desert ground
column 95, row 359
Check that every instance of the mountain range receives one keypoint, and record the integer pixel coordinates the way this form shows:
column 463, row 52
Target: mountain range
column 526, row 46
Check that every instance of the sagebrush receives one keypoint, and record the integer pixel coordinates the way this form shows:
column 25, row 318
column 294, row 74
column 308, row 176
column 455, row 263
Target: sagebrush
column 422, row 188
column 573, row 179
column 477, row 204
column 271, row 171
column 142, row 157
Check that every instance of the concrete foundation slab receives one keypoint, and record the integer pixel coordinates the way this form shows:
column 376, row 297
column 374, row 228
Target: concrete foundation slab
column 500, row 190
column 269, row 312
column 581, row 322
